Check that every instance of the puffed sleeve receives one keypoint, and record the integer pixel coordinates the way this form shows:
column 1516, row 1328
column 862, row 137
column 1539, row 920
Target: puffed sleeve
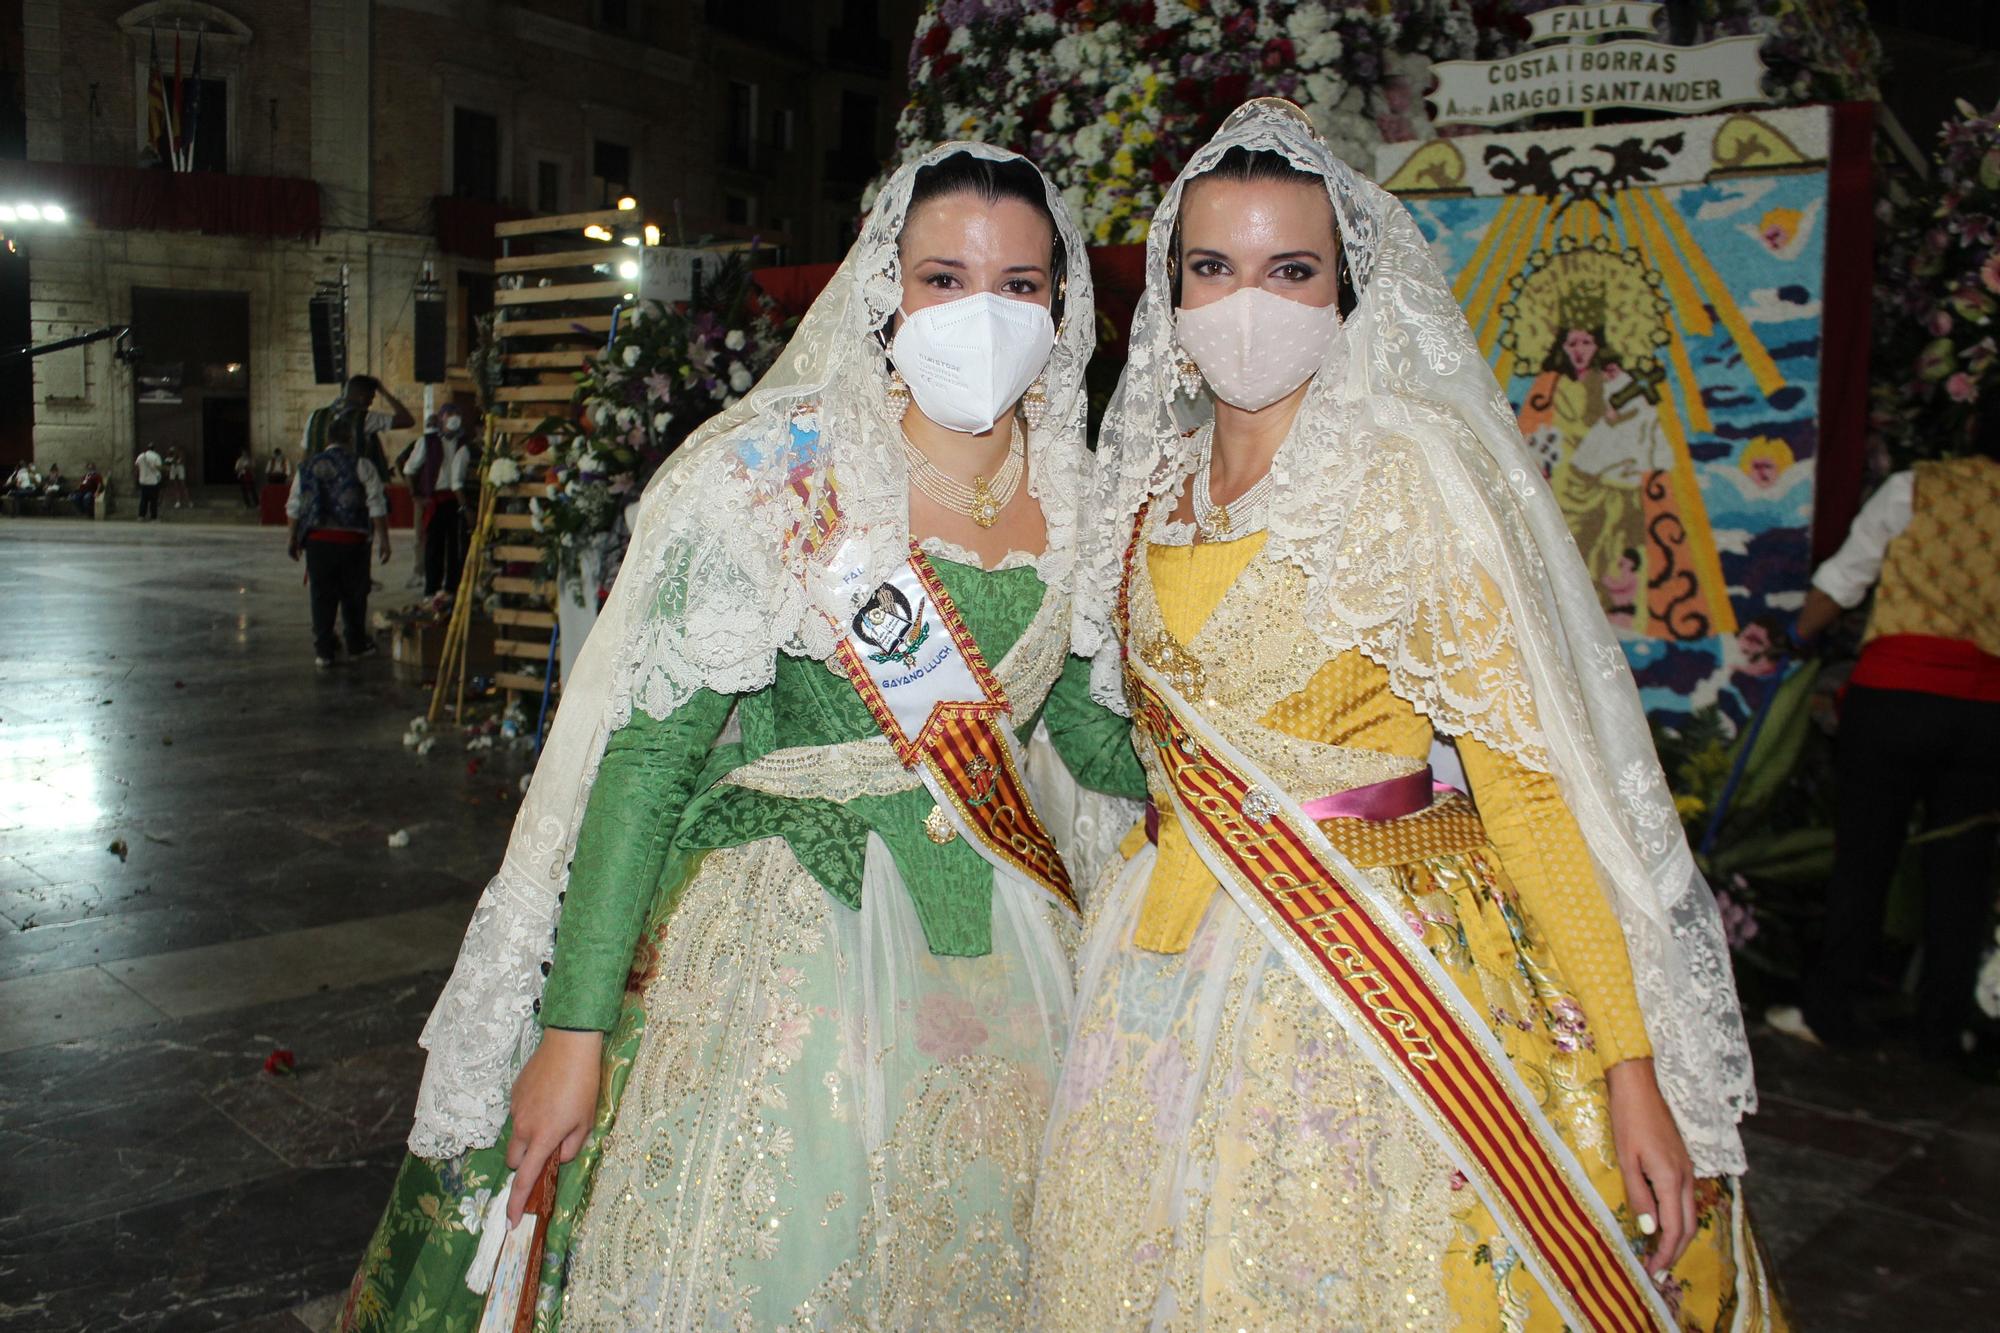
column 648, row 774
column 1546, row 858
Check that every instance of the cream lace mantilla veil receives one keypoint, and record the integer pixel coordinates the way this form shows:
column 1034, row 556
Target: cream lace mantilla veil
column 718, row 581
column 1430, row 541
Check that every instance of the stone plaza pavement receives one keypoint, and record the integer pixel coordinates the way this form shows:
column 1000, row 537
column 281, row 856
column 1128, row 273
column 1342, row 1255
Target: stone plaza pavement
column 157, row 688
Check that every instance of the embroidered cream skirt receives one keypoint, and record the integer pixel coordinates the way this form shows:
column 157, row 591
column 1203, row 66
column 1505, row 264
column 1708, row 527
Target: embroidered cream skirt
column 1220, row 1157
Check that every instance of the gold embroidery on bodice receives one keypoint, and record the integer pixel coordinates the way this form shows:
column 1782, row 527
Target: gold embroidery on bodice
column 1253, row 652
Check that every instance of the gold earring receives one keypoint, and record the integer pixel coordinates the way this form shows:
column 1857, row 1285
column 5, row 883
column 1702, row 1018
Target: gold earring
column 1187, row 374
column 899, row 392
column 1035, row 403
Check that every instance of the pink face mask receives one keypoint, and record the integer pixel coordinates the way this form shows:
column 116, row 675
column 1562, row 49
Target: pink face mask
column 1254, row 346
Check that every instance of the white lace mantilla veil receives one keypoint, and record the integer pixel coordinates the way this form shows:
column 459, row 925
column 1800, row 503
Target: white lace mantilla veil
column 717, row 582
column 1429, row 540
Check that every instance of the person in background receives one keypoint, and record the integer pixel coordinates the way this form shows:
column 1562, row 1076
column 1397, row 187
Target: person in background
column 84, row 497
column 337, row 500
column 246, row 478
column 25, row 481
column 149, row 467
column 1919, row 725
column 277, row 469
column 356, row 403
column 177, row 478
column 442, row 473
column 53, row 481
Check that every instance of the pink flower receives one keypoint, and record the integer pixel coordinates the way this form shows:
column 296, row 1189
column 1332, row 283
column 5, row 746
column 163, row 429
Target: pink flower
column 1939, row 324
column 1989, row 272
column 1739, row 925
column 1960, row 388
column 949, row 1027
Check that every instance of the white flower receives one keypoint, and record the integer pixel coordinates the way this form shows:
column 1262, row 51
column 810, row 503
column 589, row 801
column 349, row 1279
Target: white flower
column 628, row 417
column 960, row 39
column 733, row 340
column 729, row 401
column 1322, row 49
column 661, row 420
column 503, row 472
column 719, row 390
column 739, row 379
column 589, row 462
column 1039, row 23
column 1059, row 118
column 631, row 355
column 1306, row 22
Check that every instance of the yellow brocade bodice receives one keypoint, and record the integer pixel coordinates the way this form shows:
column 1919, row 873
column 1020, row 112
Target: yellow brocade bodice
column 1348, row 702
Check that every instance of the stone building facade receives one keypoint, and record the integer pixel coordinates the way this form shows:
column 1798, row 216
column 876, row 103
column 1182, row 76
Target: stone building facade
column 418, row 123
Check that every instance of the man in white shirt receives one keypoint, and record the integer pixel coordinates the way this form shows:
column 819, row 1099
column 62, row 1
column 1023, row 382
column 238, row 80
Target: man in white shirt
column 337, row 501
column 149, row 467
column 1919, row 726
column 441, row 472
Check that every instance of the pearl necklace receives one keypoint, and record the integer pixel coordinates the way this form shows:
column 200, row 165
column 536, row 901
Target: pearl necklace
column 1240, row 517
column 982, row 501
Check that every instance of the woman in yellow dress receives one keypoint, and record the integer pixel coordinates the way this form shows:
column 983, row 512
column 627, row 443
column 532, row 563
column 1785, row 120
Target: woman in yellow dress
column 1349, row 1053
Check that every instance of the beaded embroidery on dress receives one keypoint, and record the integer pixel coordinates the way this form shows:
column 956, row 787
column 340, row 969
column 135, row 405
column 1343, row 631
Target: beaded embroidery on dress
column 1406, row 500
column 725, row 570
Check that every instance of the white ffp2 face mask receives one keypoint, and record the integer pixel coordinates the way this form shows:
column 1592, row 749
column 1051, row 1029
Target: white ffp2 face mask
column 969, row 360
column 1254, row 346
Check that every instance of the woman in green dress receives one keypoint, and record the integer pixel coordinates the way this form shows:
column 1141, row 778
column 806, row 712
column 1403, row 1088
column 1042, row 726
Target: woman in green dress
column 777, row 963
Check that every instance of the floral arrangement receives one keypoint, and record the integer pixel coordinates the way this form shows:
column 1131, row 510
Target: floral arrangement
column 1936, row 296
column 1111, row 97
column 663, row 373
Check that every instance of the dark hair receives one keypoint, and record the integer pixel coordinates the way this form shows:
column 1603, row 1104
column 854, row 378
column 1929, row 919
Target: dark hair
column 368, row 382
column 992, row 181
column 1241, row 164
column 1558, row 357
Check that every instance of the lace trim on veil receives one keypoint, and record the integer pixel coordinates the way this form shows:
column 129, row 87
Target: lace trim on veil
column 1427, row 539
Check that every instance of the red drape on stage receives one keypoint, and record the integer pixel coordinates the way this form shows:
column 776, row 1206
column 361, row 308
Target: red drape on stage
column 1845, row 327
column 465, row 226
column 154, row 199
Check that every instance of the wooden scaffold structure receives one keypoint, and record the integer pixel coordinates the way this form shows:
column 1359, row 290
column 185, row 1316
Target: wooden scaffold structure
column 561, row 285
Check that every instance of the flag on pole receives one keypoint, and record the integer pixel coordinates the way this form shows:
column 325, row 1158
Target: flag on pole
column 191, row 122
column 159, row 137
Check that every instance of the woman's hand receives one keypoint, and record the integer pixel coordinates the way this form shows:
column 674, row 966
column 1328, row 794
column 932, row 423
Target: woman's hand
column 1659, row 1177
column 555, row 1101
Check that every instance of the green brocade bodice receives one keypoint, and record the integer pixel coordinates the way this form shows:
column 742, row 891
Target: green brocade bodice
column 660, row 801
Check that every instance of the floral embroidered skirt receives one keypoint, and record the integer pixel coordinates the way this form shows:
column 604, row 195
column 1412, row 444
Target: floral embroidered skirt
column 1221, row 1156
column 808, row 1121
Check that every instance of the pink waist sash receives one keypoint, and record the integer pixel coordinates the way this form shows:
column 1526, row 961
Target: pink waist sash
column 1392, row 799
